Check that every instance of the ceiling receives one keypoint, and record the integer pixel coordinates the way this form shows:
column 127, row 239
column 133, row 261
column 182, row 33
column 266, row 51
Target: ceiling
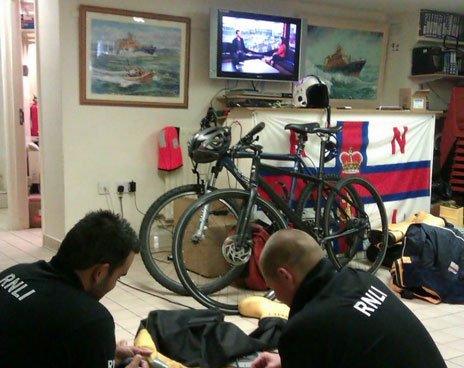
column 395, row 6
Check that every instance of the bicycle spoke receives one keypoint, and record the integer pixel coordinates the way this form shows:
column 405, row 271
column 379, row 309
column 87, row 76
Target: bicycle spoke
column 156, row 234
column 214, row 268
column 353, row 210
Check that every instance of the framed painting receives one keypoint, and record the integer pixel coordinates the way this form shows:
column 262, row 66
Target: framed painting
column 350, row 58
column 132, row 58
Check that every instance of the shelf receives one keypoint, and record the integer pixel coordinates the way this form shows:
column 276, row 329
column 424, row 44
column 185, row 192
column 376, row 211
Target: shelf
column 28, row 36
column 425, row 78
column 438, row 41
column 253, row 97
column 221, row 119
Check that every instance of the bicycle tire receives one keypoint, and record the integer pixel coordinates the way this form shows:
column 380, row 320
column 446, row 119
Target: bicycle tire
column 360, row 210
column 306, row 197
column 231, row 275
column 159, row 269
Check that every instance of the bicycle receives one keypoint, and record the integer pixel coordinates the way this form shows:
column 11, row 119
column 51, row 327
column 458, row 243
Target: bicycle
column 160, row 219
column 339, row 221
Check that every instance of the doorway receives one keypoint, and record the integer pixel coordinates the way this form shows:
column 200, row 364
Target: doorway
column 31, row 109
column 19, row 169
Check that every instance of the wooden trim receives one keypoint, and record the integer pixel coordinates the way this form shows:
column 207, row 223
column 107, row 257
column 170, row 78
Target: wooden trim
column 82, row 66
column 83, row 9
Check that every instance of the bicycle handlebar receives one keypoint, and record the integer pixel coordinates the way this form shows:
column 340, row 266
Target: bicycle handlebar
column 249, row 136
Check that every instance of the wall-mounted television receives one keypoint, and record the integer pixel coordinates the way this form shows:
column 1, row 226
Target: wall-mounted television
column 254, row 46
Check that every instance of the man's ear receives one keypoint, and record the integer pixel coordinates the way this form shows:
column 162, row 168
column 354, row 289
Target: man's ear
column 100, row 272
column 285, row 275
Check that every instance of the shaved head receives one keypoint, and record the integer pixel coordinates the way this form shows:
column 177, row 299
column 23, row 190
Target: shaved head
column 292, row 249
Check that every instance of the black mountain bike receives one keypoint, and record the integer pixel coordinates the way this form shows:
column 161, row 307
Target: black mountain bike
column 216, row 232
column 162, row 216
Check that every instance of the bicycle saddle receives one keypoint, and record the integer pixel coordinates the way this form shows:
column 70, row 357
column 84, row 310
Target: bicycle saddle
column 312, row 128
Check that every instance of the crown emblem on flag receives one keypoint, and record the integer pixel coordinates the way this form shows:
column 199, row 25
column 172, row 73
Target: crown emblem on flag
column 351, row 161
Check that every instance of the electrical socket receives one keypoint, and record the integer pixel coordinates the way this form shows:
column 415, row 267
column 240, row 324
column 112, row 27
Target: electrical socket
column 125, row 184
column 103, row 187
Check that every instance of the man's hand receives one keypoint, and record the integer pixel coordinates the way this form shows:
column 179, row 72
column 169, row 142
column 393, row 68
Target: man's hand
column 124, row 351
column 267, row 360
column 138, row 362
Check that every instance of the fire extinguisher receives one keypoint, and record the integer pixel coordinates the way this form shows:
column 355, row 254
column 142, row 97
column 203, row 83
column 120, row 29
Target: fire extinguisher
column 34, row 111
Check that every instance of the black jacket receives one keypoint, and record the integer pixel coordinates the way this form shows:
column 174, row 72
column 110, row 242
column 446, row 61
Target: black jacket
column 202, row 338
column 239, row 45
column 47, row 320
column 349, row 319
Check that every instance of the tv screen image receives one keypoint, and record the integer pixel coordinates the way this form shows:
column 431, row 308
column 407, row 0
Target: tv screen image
column 257, row 46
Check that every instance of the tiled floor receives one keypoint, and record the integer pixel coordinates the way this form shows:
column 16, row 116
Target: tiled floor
column 445, row 322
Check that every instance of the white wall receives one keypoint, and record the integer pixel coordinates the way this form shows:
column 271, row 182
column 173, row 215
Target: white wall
column 2, row 127
column 50, row 120
column 101, row 143
column 404, row 33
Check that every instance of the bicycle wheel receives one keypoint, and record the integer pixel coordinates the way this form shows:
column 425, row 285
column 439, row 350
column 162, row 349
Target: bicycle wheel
column 156, row 234
column 306, row 207
column 211, row 259
column 350, row 218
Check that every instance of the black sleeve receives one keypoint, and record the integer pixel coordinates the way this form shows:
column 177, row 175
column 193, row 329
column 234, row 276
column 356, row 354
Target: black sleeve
column 92, row 346
column 245, row 48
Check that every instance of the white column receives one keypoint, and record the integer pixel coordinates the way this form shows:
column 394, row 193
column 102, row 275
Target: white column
column 49, row 75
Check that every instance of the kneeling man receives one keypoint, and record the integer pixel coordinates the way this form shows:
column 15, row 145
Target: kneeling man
column 346, row 319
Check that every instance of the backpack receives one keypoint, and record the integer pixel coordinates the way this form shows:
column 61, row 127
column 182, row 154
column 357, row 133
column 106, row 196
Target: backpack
column 432, row 265
column 254, row 279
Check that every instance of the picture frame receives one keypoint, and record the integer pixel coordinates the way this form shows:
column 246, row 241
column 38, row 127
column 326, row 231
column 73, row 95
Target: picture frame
column 350, row 57
column 131, row 58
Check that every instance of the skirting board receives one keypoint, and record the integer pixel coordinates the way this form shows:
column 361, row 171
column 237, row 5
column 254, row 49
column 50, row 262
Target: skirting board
column 51, row 242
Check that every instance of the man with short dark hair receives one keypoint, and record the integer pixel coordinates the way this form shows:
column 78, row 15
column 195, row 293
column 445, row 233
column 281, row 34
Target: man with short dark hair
column 49, row 311
column 238, row 49
column 345, row 319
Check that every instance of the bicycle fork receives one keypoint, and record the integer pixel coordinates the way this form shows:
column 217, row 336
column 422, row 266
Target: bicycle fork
column 242, row 240
column 199, row 233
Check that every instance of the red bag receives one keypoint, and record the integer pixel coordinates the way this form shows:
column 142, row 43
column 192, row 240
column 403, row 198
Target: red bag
column 254, row 280
column 34, row 113
column 169, row 150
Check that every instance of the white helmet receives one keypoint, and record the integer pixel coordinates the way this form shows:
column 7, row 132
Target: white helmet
column 310, row 92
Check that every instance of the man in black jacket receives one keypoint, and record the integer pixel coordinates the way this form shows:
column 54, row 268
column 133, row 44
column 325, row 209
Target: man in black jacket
column 239, row 50
column 49, row 311
column 345, row 319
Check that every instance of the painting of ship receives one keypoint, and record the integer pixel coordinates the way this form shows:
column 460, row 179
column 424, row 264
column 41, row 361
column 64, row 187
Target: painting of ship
column 130, row 45
column 340, row 62
column 134, row 62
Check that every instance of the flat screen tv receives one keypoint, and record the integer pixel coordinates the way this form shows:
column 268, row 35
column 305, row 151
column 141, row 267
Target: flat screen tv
column 254, row 46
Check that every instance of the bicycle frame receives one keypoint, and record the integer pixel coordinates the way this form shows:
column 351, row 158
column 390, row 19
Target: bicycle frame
column 256, row 180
